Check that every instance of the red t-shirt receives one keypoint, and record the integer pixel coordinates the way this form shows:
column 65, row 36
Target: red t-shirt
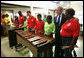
column 21, row 21
column 31, row 22
column 70, row 28
column 16, row 23
column 39, row 26
column 2, row 20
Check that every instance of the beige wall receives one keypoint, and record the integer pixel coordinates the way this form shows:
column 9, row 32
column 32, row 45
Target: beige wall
column 41, row 4
column 78, row 7
column 43, row 12
column 15, row 10
column 51, row 13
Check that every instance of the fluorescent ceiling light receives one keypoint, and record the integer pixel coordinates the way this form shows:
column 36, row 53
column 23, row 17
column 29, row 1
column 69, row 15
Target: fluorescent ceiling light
column 56, row 1
column 66, row 1
column 61, row 2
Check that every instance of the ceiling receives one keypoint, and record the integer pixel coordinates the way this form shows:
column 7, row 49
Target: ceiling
column 64, row 4
column 5, row 5
column 58, row 2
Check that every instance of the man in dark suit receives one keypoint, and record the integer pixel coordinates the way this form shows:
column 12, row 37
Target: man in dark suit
column 58, row 20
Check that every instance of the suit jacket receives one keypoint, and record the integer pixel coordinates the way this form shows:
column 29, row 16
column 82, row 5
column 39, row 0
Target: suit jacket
column 58, row 28
column 57, row 41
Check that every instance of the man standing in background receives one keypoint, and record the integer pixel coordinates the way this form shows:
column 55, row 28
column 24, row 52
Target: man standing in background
column 58, row 20
column 45, row 18
column 21, row 21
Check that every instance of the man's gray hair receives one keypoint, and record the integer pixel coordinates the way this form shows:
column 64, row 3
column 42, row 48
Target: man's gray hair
column 60, row 8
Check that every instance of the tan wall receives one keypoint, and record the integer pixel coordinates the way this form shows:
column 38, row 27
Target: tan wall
column 15, row 10
column 51, row 13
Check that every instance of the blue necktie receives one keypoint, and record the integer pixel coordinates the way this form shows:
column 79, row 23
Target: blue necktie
column 58, row 21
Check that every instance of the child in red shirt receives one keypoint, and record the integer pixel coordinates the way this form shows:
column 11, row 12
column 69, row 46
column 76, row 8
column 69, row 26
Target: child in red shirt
column 39, row 26
column 21, row 21
column 31, row 21
column 16, row 22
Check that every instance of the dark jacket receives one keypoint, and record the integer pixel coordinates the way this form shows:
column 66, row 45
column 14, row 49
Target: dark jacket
column 57, row 31
column 58, row 28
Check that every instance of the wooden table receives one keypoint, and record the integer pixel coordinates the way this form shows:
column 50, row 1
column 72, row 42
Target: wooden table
column 36, row 50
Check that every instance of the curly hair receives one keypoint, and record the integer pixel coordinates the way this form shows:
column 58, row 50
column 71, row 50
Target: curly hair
column 70, row 12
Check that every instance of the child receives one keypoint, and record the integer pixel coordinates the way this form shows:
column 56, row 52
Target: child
column 3, row 24
column 16, row 22
column 25, row 23
column 21, row 21
column 39, row 25
column 49, row 27
column 7, row 20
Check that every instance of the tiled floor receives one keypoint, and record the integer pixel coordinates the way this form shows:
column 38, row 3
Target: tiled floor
column 6, row 51
column 79, row 50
